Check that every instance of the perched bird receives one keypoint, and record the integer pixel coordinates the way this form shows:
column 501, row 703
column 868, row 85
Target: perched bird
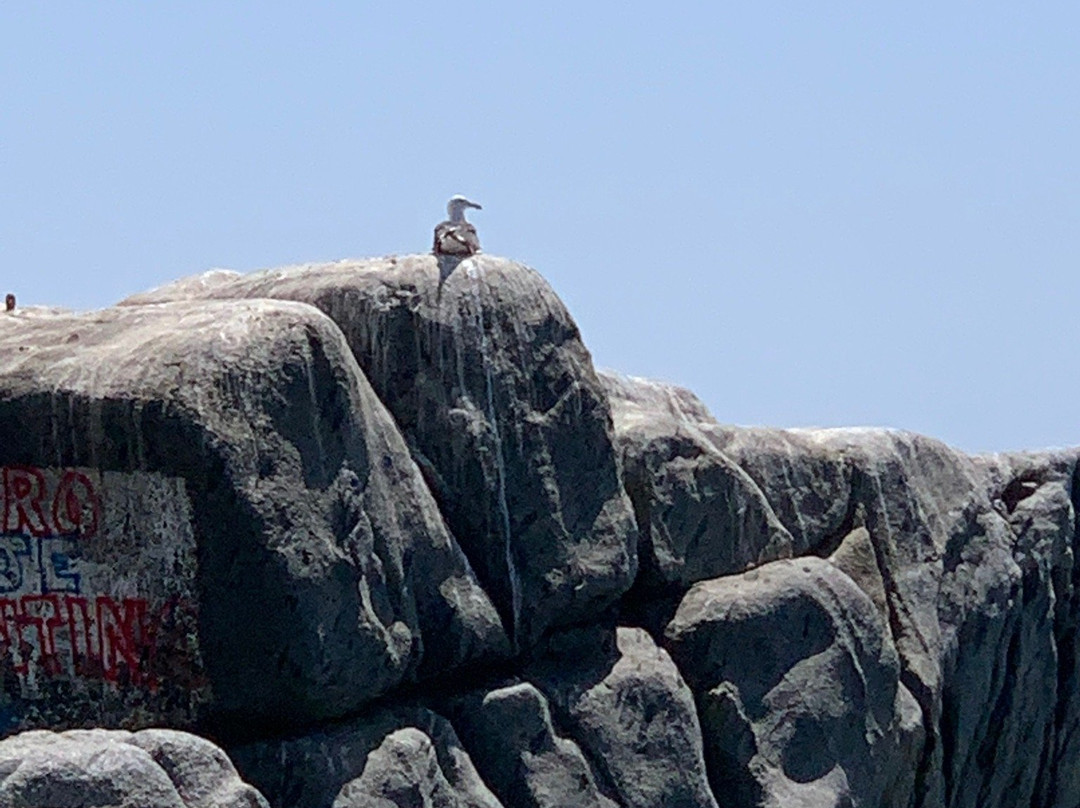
column 456, row 236
column 9, row 302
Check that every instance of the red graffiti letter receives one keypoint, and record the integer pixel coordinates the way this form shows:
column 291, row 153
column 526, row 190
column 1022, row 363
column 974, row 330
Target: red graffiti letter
column 42, row 612
column 85, row 657
column 24, row 488
column 75, row 507
column 121, row 636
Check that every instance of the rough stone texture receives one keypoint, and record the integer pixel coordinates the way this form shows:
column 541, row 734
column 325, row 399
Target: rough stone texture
column 404, row 757
column 855, row 557
column 1018, row 736
column 519, row 752
column 699, row 515
column 798, row 684
column 208, row 514
column 633, row 397
column 119, row 769
column 485, row 373
column 806, row 481
column 973, row 562
column 405, row 771
column 623, row 701
column 325, row 575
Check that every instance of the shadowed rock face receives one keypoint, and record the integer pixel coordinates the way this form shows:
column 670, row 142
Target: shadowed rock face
column 402, row 756
column 427, row 590
column 485, row 373
column 623, row 700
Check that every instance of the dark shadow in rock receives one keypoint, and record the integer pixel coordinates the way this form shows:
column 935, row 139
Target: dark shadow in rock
column 447, row 264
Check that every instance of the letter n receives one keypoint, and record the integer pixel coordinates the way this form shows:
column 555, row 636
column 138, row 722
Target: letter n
column 120, row 630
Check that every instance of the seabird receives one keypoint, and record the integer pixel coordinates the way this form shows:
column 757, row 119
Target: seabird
column 456, row 236
column 9, row 302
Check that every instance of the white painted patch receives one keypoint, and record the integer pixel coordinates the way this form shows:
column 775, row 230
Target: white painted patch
column 97, row 582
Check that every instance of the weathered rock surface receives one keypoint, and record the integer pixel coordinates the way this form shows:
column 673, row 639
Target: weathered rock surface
column 970, row 562
column 520, row 753
column 699, row 514
column 149, row 769
column 623, row 701
column 799, row 688
column 210, row 516
column 209, row 513
column 402, row 757
column 487, row 377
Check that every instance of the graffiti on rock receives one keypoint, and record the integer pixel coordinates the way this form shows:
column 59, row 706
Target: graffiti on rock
column 71, row 507
column 89, row 591
column 99, row 637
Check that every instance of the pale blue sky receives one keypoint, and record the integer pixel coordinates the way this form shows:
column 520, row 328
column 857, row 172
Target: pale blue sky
column 810, row 214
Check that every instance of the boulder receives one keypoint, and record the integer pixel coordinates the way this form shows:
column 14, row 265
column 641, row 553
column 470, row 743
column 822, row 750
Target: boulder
column 210, row 518
column 806, row 481
column 404, row 756
column 798, row 686
column 405, row 771
column 971, row 562
column 622, row 700
column 148, row 769
column 209, row 514
column 1010, row 717
column 699, row 514
column 512, row 738
column 636, row 398
column 486, row 375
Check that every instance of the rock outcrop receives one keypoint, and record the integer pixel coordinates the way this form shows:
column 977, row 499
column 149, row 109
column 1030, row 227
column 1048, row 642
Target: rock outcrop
column 485, row 373
column 381, row 530
column 209, row 515
column 154, row 768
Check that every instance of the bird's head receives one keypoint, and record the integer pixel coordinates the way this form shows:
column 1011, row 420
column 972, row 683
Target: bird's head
column 457, row 205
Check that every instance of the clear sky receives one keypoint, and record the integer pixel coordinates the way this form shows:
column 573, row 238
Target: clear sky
column 810, row 214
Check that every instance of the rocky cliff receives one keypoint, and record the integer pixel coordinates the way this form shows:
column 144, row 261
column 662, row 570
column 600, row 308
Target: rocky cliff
column 381, row 531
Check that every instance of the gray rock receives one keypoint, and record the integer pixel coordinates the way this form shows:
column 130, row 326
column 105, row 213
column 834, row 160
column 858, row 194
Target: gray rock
column 212, row 514
column 209, row 516
column 699, row 514
column 855, row 557
column 1010, row 718
column 971, row 618
column 405, row 771
column 806, row 481
column 149, row 769
column 972, row 562
column 636, row 398
column 622, row 700
column 511, row 737
column 798, row 687
column 397, row 757
column 485, row 373
column 201, row 772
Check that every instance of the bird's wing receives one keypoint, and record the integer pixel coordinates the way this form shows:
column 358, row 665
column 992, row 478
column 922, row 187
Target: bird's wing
column 456, row 239
column 465, row 234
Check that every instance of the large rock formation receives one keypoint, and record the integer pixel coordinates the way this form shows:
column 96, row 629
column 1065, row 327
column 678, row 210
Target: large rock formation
column 381, row 530
column 485, row 374
column 208, row 513
column 969, row 561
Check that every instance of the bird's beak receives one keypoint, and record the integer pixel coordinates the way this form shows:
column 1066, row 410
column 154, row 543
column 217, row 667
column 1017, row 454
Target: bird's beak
column 475, row 205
